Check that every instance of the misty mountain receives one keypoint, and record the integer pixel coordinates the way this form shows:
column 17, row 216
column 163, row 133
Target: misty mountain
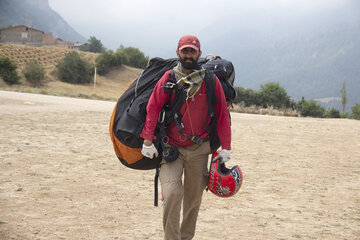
column 37, row 14
column 309, row 56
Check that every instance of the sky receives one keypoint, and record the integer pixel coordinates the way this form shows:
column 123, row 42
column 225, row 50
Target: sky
column 154, row 26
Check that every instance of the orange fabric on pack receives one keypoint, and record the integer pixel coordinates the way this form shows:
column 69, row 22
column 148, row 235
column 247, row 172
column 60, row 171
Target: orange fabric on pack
column 130, row 155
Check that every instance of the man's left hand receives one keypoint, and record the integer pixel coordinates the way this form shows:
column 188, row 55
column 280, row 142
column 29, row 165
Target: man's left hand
column 225, row 155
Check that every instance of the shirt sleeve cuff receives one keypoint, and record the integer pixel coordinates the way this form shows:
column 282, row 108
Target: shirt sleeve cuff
column 146, row 136
column 226, row 146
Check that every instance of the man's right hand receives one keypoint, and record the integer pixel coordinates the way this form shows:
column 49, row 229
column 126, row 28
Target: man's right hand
column 147, row 142
column 148, row 149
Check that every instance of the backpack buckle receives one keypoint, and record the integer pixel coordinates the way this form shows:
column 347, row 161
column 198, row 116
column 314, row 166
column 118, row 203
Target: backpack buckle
column 195, row 139
column 169, row 86
column 162, row 117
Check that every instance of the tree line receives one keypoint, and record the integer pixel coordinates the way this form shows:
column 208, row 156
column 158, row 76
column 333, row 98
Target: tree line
column 273, row 95
column 73, row 69
column 109, row 59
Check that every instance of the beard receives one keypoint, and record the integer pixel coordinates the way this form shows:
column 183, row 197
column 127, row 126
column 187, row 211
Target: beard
column 189, row 65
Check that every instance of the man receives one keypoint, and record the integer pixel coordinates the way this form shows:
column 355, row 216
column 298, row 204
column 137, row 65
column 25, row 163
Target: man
column 191, row 157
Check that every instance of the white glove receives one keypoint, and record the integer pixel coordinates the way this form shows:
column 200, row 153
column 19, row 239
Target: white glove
column 149, row 151
column 225, row 155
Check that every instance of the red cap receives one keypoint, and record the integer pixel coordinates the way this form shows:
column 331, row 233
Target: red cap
column 189, row 41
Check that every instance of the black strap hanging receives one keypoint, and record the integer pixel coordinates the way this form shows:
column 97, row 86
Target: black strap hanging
column 156, row 186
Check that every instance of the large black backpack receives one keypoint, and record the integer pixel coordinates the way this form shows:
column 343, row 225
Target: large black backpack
column 128, row 117
column 224, row 70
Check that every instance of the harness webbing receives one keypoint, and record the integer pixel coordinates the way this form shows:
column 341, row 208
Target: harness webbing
column 171, row 112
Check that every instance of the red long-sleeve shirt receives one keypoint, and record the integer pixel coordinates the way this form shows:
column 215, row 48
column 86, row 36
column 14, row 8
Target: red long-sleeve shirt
column 194, row 116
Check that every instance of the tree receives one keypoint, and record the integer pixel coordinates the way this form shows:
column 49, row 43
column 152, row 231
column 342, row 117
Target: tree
column 343, row 96
column 272, row 94
column 134, row 57
column 356, row 111
column 310, row 108
column 106, row 61
column 8, row 71
column 34, row 73
column 94, row 45
column 73, row 69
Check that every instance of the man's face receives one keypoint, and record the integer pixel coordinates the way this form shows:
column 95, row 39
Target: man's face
column 188, row 57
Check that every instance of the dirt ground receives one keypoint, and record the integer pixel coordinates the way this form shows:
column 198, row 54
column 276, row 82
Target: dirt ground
column 60, row 178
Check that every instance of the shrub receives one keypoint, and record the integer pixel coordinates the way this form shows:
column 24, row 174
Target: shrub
column 310, row 108
column 121, row 57
column 333, row 113
column 8, row 71
column 345, row 115
column 34, row 73
column 106, row 61
column 248, row 96
column 272, row 94
column 356, row 111
column 240, row 95
column 73, row 69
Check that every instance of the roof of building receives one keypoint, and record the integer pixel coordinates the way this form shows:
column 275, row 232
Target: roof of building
column 7, row 28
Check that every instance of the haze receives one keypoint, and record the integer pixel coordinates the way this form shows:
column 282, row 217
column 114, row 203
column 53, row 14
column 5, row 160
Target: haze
column 155, row 26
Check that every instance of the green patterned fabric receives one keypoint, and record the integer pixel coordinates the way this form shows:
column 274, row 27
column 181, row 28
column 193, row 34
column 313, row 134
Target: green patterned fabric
column 191, row 82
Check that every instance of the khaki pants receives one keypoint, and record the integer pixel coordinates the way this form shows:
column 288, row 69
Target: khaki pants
column 192, row 161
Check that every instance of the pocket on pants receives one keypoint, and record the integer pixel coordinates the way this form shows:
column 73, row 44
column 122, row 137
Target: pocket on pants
column 171, row 171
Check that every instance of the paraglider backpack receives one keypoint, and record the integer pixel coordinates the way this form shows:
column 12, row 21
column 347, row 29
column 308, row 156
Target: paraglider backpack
column 129, row 114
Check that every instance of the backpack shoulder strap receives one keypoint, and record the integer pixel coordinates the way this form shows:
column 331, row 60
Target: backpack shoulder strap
column 210, row 82
column 210, row 79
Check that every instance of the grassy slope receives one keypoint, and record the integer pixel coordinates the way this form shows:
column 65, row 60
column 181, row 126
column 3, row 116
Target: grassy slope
column 108, row 87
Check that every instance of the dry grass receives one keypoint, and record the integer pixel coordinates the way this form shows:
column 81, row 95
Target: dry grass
column 241, row 108
column 46, row 56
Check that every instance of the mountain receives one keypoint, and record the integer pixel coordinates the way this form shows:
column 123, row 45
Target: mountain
column 39, row 15
column 309, row 56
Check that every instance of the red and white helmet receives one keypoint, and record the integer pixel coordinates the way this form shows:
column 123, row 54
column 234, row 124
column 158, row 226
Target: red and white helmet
column 224, row 182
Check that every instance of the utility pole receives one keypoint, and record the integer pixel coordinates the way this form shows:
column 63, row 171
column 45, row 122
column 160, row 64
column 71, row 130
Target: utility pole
column 94, row 80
